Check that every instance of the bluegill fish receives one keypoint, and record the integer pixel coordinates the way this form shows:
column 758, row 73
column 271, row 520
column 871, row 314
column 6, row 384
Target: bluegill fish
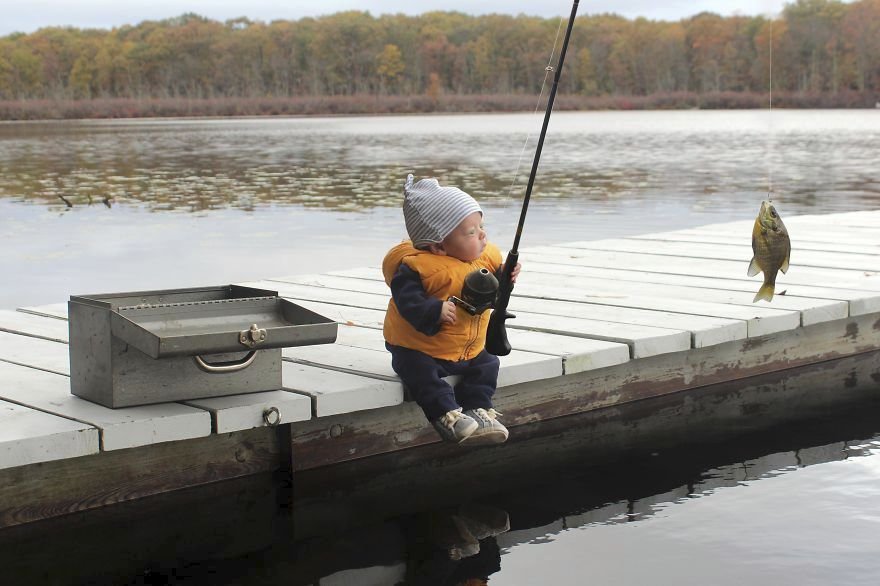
column 771, row 247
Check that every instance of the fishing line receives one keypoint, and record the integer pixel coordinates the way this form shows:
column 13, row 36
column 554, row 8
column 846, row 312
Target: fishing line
column 770, row 124
column 547, row 71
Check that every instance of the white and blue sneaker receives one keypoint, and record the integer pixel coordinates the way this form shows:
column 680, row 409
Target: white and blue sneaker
column 455, row 426
column 489, row 430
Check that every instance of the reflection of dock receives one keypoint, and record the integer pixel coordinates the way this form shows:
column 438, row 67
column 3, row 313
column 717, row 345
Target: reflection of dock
column 599, row 324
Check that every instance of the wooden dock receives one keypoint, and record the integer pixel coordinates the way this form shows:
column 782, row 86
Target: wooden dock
column 599, row 324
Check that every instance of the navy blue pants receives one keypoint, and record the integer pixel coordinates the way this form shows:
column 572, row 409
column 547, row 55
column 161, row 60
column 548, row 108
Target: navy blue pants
column 422, row 376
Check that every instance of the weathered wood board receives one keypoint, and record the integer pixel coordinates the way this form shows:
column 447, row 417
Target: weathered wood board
column 120, row 428
column 18, row 322
column 704, row 330
column 333, row 392
column 28, row 436
column 35, row 352
column 239, row 412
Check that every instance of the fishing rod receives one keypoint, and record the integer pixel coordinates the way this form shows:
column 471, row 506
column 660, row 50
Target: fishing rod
column 496, row 335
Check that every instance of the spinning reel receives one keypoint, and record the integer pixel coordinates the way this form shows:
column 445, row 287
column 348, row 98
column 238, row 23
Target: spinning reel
column 478, row 293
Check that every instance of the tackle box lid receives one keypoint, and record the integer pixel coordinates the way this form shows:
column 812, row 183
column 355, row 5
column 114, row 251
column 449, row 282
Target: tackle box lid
column 209, row 320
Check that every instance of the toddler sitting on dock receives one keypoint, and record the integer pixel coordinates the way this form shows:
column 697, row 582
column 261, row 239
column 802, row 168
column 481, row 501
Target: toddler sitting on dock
column 428, row 336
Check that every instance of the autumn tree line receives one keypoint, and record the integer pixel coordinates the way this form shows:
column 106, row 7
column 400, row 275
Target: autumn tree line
column 817, row 48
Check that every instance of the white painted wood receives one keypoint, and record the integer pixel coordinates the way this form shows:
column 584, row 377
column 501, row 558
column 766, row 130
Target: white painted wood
column 578, row 354
column 334, row 392
column 799, row 232
column 369, row 338
column 859, row 219
column 237, row 412
column 860, row 302
column 517, row 367
column 643, row 340
column 35, row 352
column 573, row 258
column 28, row 436
column 120, row 428
column 33, row 325
column 351, row 359
column 705, row 331
column 56, row 310
column 761, row 321
column 805, row 233
column 812, row 311
column 522, row 367
column 374, row 286
column 365, row 273
column 227, row 413
column 744, row 244
column 806, row 258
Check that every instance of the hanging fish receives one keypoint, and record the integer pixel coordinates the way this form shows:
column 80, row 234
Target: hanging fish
column 772, row 249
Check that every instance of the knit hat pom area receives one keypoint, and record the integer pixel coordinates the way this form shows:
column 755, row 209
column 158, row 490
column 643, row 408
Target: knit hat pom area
column 432, row 211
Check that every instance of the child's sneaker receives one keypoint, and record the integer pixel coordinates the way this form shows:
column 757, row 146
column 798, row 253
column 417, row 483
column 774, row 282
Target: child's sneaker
column 490, row 430
column 455, row 426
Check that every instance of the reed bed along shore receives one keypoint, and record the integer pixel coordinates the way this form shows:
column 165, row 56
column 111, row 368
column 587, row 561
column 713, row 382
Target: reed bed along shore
column 173, row 107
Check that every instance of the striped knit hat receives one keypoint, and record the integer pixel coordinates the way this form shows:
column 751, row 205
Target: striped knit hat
column 431, row 212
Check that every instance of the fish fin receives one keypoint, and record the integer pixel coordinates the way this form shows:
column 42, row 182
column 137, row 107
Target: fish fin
column 784, row 267
column 765, row 293
column 754, row 269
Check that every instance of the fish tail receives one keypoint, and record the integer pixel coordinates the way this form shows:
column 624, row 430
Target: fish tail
column 765, row 292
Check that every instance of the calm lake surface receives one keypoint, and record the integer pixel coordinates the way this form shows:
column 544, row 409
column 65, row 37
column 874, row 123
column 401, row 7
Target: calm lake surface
column 196, row 202
column 98, row 206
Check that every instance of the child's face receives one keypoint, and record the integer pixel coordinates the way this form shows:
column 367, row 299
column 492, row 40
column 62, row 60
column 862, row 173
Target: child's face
column 467, row 241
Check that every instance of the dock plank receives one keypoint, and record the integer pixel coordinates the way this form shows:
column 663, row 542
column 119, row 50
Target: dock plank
column 860, row 302
column 35, row 352
column 28, row 436
column 515, row 368
column 702, row 302
column 239, row 412
column 578, row 354
column 120, row 428
column 334, row 392
column 705, row 331
column 18, row 322
column 231, row 413
column 745, row 244
column 642, row 340
column 806, row 258
column 799, row 232
column 573, row 258
column 56, row 310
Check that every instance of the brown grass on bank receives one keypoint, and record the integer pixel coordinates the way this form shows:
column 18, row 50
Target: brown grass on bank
column 419, row 104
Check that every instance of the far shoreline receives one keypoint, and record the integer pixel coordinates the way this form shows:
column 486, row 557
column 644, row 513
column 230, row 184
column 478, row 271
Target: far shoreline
column 365, row 105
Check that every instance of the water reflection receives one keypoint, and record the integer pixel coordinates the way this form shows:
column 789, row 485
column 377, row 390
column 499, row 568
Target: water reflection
column 80, row 200
column 821, row 160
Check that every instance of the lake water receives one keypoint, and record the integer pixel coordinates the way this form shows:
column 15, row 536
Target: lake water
column 101, row 206
column 198, row 202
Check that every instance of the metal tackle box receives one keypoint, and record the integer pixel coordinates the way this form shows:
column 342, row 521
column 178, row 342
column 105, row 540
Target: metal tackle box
column 172, row 345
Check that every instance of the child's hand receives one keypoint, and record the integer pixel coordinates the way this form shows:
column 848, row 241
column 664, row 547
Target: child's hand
column 515, row 273
column 447, row 313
